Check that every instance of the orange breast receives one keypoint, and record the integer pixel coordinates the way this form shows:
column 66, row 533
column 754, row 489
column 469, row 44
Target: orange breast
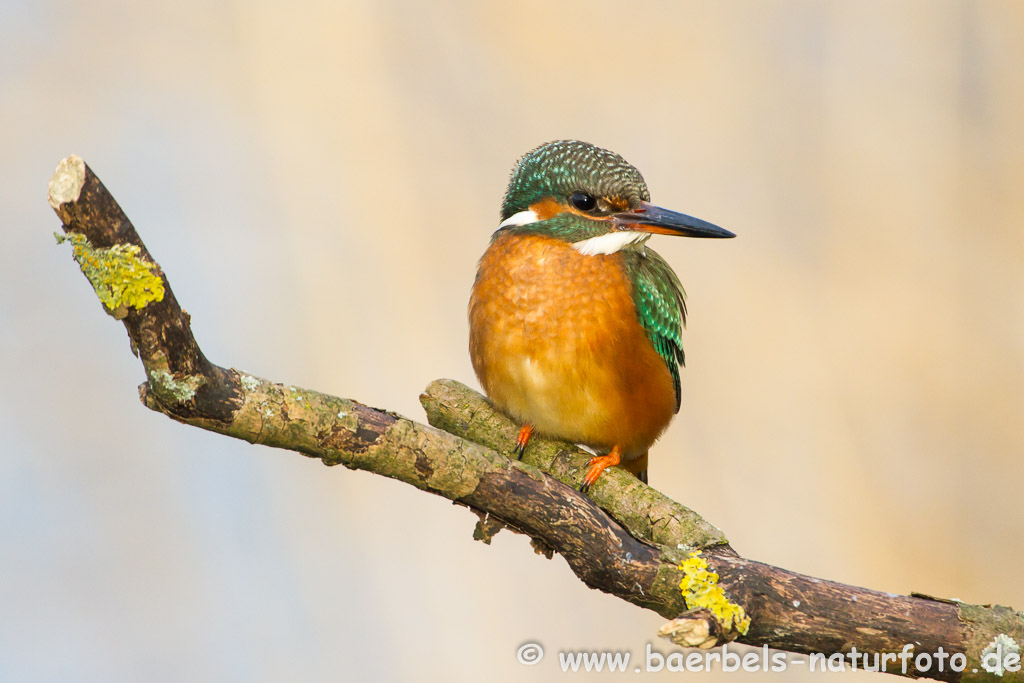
column 555, row 341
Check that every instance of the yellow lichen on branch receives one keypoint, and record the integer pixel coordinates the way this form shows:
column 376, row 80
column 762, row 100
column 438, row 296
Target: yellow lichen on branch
column 701, row 591
column 121, row 278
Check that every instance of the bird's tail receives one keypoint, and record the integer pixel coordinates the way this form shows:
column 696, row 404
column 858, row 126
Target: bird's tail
column 637, row 467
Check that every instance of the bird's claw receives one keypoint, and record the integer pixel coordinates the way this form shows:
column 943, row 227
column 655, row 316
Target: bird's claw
column 597, row 465
column 524, row 438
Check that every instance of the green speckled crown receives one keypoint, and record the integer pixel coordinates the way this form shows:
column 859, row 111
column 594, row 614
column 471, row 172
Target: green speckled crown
column 565, row 166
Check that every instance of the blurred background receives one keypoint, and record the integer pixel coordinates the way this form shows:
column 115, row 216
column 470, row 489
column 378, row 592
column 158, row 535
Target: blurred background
column 318, row 180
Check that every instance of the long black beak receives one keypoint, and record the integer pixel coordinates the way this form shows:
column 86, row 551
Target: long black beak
column 651, row 218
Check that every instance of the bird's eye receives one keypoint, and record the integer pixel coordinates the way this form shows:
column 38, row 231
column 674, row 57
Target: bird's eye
column 583, row 201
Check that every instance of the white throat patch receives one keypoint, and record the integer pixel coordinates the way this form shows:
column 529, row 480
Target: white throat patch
column 521, row 218
column 611, row 242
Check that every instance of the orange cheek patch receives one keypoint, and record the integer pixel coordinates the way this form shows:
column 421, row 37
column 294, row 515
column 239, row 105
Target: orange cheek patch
column 547, row 208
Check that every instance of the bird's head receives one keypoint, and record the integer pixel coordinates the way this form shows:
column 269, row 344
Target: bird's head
column 591, row 197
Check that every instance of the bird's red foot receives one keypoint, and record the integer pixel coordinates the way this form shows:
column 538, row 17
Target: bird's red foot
column 524, row 438
column 597, row 465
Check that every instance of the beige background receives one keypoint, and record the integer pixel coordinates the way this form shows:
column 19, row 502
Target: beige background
column 318, row 180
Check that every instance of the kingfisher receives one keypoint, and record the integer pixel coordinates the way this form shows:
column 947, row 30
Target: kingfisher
column 575, row 324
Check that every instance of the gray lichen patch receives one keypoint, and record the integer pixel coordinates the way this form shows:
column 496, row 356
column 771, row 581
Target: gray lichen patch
column 179, row 390
column 249, row 383
column 1001, row 655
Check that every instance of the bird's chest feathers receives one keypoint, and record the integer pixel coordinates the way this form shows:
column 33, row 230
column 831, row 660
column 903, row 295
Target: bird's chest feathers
column 548, row 299
column 556, row 342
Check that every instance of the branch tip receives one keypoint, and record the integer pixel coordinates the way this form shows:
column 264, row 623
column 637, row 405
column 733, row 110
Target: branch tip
column 67, row 181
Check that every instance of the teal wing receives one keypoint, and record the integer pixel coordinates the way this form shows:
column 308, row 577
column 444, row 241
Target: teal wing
column 661, row 306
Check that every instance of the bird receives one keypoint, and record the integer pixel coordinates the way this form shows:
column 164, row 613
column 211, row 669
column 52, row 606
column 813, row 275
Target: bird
column 575, row 324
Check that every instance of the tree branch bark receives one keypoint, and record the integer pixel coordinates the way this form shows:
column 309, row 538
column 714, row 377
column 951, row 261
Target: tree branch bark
column 625, row 539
